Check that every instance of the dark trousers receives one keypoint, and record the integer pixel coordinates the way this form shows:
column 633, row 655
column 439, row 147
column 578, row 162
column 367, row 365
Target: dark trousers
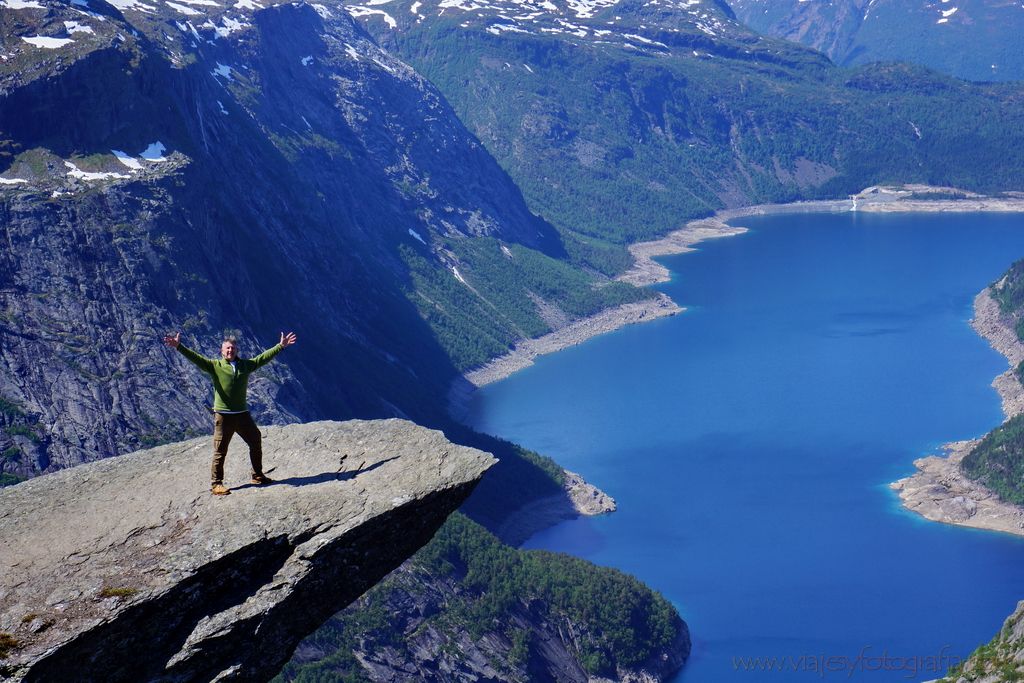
column 224, row 427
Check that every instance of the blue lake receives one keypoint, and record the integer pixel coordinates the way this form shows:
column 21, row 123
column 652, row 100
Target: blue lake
column 750, row 441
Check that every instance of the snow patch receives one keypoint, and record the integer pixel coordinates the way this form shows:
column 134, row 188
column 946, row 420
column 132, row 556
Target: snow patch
column 75, row 27
column 132, row 4
column 645, row 41
column 222, row 109
column 458, row 276
column 351, row 52
column 307, row 60
column 206, row 3
column 585, row 9
column 223, row 70
column 306, row 122
column 498, row 29
column 247, row 4
column 12, row 181
column 464, row 5
column 229, row 26
column 382, row 65
column 415, row 7
column 76, row 172
column 323, row 11
column 21, row 4
column 155, row 152
column 127, row 159
column 184, row 9
column 357, row 12
column 47, row 42
column 527, row 67
column 411, row 232
column 189, row 28
column 506, row 252
column 947, row 13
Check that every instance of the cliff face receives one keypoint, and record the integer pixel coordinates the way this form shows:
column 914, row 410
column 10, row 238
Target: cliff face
column 534, row 641
column 210, row 168
column 128, row 569
column 997, row 661
column 467, row 608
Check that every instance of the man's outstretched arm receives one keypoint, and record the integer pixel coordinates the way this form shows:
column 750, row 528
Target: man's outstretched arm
column 201, row 362
column 286, row 341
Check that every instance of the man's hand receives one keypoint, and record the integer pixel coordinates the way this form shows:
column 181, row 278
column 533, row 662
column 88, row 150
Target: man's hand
column 172, row 340
column 288, row 339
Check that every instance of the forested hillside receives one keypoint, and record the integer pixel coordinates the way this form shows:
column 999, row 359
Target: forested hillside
column 620, row 120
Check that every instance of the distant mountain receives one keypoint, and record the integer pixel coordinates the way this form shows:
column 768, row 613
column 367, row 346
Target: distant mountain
column 620, row 119
column 979, row 40
column 202, row 165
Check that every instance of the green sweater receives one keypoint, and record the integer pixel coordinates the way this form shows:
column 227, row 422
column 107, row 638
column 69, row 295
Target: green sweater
column 229, row 381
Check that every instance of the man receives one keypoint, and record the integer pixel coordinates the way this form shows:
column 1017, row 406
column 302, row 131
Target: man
column 231, row 412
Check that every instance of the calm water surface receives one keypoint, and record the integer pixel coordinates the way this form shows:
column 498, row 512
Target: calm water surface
column 749, row 443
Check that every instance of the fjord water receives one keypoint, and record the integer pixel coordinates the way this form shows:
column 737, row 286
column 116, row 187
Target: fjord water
column 749, row 443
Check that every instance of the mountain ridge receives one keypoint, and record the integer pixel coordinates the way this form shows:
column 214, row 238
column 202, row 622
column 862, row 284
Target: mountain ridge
column 970, row 39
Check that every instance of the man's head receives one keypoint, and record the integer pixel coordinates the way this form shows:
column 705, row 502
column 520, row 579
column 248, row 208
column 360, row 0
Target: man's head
column 229, row 348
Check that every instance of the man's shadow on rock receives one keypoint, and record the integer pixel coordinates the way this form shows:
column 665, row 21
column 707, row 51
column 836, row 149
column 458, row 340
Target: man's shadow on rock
column 316, row 478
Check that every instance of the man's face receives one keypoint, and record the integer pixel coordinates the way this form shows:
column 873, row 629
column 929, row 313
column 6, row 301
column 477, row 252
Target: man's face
column 228, row 350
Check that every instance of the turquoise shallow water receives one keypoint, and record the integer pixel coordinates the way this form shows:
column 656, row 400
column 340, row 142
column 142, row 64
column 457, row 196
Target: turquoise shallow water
column 749, row 443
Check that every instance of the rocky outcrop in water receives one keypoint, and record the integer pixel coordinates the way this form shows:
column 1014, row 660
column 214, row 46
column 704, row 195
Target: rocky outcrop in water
column 127, row 569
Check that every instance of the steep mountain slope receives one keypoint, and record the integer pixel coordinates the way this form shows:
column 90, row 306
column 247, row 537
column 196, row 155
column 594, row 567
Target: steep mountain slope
column 997, row 661
column 202, row 165
column 467, row 608
column 621, row 118
column 973, row 39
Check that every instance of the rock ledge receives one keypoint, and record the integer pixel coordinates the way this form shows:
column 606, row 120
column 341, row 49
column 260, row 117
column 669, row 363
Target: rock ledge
column 128, row 569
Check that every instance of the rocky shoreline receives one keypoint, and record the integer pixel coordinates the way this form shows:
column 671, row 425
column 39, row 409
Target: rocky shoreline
column 578, row 498
column 939, row 490
column 646, row 271
column 576, row 332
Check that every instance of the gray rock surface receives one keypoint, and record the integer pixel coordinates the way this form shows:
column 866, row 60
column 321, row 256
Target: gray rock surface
column 128, row 569
column 429, row 652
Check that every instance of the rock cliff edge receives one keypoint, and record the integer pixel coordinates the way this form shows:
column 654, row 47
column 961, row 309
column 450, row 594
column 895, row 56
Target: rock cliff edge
column 128, row 569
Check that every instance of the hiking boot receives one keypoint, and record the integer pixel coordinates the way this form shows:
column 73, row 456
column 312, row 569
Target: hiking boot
column 219, row 490
column 261, row 479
